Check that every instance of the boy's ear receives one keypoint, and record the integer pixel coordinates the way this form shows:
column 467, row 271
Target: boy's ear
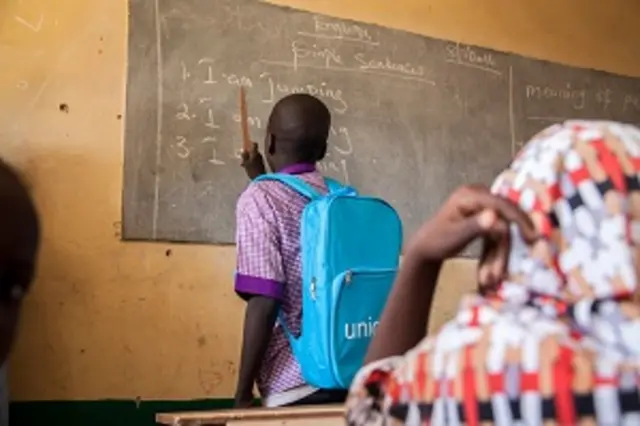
column 271, row 144
column 322, row 152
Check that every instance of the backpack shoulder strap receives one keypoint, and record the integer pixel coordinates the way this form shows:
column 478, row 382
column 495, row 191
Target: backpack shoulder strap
column 337, row 188
column 333, row 185
column 293, row 182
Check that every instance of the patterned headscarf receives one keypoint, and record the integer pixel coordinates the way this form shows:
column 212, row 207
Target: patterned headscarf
column 560, row 339
column 579, row 184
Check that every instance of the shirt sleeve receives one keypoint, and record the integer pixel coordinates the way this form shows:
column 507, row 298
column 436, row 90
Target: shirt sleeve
column 259, row 270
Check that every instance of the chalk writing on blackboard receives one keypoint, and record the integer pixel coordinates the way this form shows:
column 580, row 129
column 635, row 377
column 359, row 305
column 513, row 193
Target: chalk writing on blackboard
column 310, row 55
column 574, row 97
column 412, row 117
column 469, row 56
column 325, row 28
column 631, row 102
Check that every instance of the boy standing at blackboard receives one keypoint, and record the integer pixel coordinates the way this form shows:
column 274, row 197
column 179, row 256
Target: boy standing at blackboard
column 268, row 274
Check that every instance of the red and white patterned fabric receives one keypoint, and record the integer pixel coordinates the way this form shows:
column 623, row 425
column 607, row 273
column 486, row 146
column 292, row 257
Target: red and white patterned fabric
column 559, row 342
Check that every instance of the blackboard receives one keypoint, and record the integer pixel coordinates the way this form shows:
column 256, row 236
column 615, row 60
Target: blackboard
column 413, row 117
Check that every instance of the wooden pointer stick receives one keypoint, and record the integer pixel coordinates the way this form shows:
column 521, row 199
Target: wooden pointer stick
column 244, row 122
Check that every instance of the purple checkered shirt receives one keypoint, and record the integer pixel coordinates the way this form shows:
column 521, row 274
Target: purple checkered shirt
column 268, row 255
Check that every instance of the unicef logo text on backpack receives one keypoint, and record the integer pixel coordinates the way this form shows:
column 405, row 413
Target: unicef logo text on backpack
column 360, row 330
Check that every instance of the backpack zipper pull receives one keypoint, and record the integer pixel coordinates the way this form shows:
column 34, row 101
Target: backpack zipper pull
column 347, row 277
column 312, row 288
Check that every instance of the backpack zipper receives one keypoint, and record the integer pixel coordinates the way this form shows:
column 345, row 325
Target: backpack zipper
column 312, row 288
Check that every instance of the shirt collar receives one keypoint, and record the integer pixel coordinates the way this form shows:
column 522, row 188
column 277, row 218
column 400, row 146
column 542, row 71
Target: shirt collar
column 298, row 169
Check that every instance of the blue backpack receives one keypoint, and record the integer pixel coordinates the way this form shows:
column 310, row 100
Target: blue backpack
column 350, row 248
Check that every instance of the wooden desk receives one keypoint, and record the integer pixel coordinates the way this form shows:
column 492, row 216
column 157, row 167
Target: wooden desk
column 322, row 415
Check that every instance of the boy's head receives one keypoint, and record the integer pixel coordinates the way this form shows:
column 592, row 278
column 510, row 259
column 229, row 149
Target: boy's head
column 297, row 131
column 19, row 243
